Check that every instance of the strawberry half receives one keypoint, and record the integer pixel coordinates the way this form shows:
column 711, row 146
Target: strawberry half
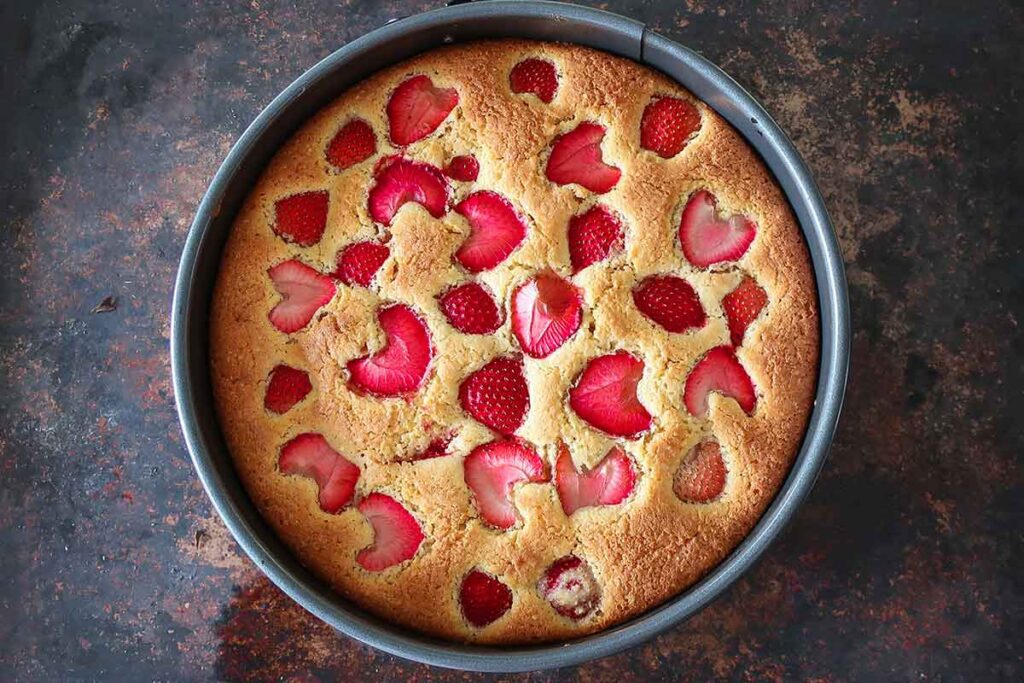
column 707, row 239
column 701, row 476
column 396, row 533
column 286, row 387
column 417, row 108
column 537, row 76
column 483, row 599
column 605, row 395
column 360, row 261
column 310, row 455
column 303, row 291
column 593, row 236
column 399, row 367
column 302, row 218
column 353, row 143
column 493, row 470
column 670, row 302
column 471, row 309
column 742, row 306
column 496, row 395
column 576, row 158
column 546, row 311
column 398, row 180
column 495, row 230
column 570, row 587
column 667, row 125
column 719, row 371
column 610, row 483
column 465, row 168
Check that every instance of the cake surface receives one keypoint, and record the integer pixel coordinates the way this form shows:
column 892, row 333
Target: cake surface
column 514, row 341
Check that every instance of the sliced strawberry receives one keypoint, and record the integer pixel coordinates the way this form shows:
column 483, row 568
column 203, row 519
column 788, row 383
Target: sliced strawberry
column 301, row 218
column 667, row 125
column 310, row 455
column 438, row 448
column 670, row 302
column 417, row 108
column 719, row 371
column 464, row 168
column 286, row 387
column 537, row 76
column 570, row 587
column 576, row 158
column 355, row 142
column 708, row 239
column 303, row 291
column 492, row 471
column 594, row 236
column 495, row 230
column 399, row 367
column 742, row 306
column 398, row 180
column 546, row 311
column 396, row 534
column 701, row 476
column 471, row 309
column 605, row 395
column 610, row 483
column 496, row 395
column 360, row 261
column 483, row 598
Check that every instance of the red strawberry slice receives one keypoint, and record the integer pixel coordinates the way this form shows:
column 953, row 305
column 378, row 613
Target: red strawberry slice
column 398, row 180
column 286, row 387
column 670, row 302
column 708, row 239
column 471, row 309
column 537, row 76
column 355, row 142
column 464, row 168
column 396, row 534
column 301, row 218
column 493, row 470
column 719, row 371
column 310, row 455
column 496, row 395
column 417, row 108
column 742, row 306
column 360, row 261
column 546, row 311
column 495, row 230
column 667, row 125
column 701, row 476
column 483, row 598
column 576, row 158
column 593, row 236
column 399, row 367
column 303, row 291
column 610, row 483
column 605, row 395
column 570, row 587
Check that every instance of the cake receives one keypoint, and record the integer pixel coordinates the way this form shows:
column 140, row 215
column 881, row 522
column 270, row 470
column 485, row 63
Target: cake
column 513, row 341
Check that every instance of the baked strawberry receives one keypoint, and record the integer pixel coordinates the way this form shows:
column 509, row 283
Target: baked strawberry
column 353, row 143
column 701, row 476
column 667, row 125
column 670, row 302
column 471, row 309
column 576, row 158
column 537, row 76
column 605, row 395
column 438, row 448
column 396, row 534
column 495, row 230
column 546, row 311
column 719, row 371
column 496, row 395
column 303, row 291
column 570, row 587
column 301, row 218
column 742, row 306
column 398, row 180
column 593, row 236
column 610, row 483
column 483, row 598
column 399, row 367
column 493, row 470
column 417, row 108
column 465, row 168
column 360, row 261
column 708, row 239
column 310, row 455
column 285, row 387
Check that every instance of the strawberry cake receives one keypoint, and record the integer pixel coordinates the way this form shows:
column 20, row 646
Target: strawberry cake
column 514, row 341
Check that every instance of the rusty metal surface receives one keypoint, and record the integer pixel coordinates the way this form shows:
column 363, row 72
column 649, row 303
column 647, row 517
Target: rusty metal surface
column 905, row 562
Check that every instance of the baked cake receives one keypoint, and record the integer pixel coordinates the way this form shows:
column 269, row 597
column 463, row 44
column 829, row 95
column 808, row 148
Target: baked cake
column 514, row 341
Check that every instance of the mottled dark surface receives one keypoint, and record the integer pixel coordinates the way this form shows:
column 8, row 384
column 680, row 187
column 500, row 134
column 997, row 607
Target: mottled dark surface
column 906, row 561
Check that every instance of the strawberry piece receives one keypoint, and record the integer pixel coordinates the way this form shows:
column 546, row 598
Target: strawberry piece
column 605, row 395
column 464, row 168
column 719, row 371
column 707, row 239
column 438, row 448
column 495, row 230
column 670, row 302
column 471, row 309
column 417, row 108
column 546, row 311
column 492, row 470
column 303, row 291
column 302, row 218
column 610, row 483
column 355, row 142
column 396, row 533
column 537, row 76
column 667, row 125
column 570, row 587
column 310, row 455
column 496, row 395
column 593, row 236
column 286, row 387
column 399, row 367
column 483, row 598
column 398, row 180
column 360, row 261
column 576, row 158
column 701, row 476
column 742, row 306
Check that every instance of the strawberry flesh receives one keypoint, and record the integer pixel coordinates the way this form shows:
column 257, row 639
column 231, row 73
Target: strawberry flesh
column 301, row 218
column 416, row 108
column 396, row 533
column 471, row 309
column 701, row 476
column 463, row 168
column 495, row 230
column 576, row 158
column 570, row 587
column 483, row 598
column 546, row 312
column 605, row 395
column 311, row 456
column 667, row 125
column 671, row 302
column 400, row 367
column 303, row 291
column 496, row 395
column 719, row 371
column 359, row 262
column 398, row 180
column 286, row 387
column 493, row 470
column 742, row 306
column 708, row 239
column 438, row 448
column 353, row 143
column 609, row 483
column 537, row 76
column 593, row 236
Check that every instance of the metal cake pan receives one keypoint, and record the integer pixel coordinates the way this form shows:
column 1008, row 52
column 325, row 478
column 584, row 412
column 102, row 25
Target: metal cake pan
column 322, row 83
